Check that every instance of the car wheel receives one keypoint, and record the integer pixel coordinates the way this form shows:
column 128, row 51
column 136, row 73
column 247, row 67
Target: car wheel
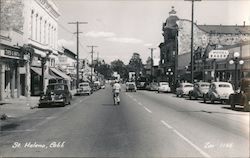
column 190, row 97
column 232, row 104
column 195, row 96
column 158, row 91
column 211, row 99
column 204, row 98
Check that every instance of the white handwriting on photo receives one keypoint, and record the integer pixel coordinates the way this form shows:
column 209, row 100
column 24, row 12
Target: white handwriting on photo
column 209, row 145
column 38, row 145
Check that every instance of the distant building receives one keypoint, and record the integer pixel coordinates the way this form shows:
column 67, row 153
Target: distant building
column 177, row 43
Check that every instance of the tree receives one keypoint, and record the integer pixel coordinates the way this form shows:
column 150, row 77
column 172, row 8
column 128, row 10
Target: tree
column 119, row 67
column 135, row 64
column 101, row 67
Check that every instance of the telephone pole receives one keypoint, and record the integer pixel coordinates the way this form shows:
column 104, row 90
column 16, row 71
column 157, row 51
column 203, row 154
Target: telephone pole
column 152, row 62
column 192, row 41
column 92, row 51
column 77, row 49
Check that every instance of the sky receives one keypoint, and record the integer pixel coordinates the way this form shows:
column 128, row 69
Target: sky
column 121, row 27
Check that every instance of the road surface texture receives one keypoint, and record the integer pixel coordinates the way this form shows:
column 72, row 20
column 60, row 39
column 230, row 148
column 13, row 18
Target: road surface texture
column 145, row 124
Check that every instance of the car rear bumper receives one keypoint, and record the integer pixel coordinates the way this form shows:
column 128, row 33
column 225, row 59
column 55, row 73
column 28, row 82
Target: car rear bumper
column 61, row 101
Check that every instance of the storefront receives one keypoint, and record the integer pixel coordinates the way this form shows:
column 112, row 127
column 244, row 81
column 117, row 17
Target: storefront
column 12, row 72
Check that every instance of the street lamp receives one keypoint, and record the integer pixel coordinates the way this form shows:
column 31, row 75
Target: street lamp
column 192, row 40
column 236, row 60
column 43, row 62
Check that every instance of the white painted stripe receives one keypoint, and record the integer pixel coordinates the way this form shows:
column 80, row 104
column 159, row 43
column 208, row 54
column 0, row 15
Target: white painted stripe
column 168, row 126
column 147, row 110
column 26, row 130
column 192, row 144
column 139, row 103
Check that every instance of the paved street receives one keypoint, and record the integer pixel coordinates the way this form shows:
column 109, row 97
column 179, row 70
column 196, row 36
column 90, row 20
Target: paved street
column 145, row 124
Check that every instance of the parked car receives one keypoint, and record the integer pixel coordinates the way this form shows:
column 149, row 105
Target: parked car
column 56, row 94
column 153, row 86
column 199, row 90
column 218, row 91
column 163, row 87
column 242, row 97
column 84, row 88
column 130, row 86
column 97, row 85
column 184, row 89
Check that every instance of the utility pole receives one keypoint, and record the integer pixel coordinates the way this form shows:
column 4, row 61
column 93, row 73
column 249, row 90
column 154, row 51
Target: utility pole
column 152, row 62
column 192, row 40
column 77, row 49
column 92, row 51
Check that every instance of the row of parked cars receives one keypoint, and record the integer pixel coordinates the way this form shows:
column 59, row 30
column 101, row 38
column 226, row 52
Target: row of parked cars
column 59, row 93
column 217, row 91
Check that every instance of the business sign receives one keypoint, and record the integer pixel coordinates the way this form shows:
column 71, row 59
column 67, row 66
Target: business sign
column 11, row 54
column 218, row 54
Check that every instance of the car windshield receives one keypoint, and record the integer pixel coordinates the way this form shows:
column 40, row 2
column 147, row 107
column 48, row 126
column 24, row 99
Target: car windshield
column 188, row 85
column 84, row 85
column 55, row 87
column 163, row 84
column 224, row 85
column 204, row 85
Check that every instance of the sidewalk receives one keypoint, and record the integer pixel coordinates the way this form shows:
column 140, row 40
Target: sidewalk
column 18, row 106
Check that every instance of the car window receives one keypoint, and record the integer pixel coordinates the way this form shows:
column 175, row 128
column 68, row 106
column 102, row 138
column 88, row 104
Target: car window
column 55, row 87
column 224, row 85
column 84, row 85
column 204, row 85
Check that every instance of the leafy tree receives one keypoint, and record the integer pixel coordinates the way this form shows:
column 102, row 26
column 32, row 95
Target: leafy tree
column 120, row 68
column 135, row 64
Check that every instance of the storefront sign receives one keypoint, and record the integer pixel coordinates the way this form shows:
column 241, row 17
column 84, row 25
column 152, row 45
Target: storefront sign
column 218, row 54
column 12, row 53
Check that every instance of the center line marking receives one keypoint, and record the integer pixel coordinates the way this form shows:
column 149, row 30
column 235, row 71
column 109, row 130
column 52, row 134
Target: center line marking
column 193, row 145
column 168, row 126
column 147, row 110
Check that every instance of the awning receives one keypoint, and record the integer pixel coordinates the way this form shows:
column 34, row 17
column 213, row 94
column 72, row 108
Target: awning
column 39, row 52
column 38, row 71
column 60, row 73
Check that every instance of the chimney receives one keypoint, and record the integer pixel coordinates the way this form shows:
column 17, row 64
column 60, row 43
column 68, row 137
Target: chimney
column 244, row 23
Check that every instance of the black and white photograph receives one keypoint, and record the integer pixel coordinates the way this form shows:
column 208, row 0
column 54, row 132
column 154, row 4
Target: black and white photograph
column 125, row 78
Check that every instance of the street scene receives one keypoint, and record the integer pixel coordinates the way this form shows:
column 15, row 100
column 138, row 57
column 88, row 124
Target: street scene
column 124, row 78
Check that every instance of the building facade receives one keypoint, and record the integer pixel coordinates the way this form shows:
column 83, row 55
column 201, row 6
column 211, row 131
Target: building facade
column 28, row 46
column 13, row 63
column 41, row 18
column 175, row 50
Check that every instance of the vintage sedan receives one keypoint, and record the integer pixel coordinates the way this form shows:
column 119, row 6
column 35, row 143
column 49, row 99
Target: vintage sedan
column 130, row 86
column 163, row 87
column 153, row 86
column 242, row 97
column 200, row 89
column 184, row 89
column 218, row 91
column 84, row 88
column 56, row 94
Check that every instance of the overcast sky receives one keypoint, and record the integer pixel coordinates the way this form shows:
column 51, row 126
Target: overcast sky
column 121, row 27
